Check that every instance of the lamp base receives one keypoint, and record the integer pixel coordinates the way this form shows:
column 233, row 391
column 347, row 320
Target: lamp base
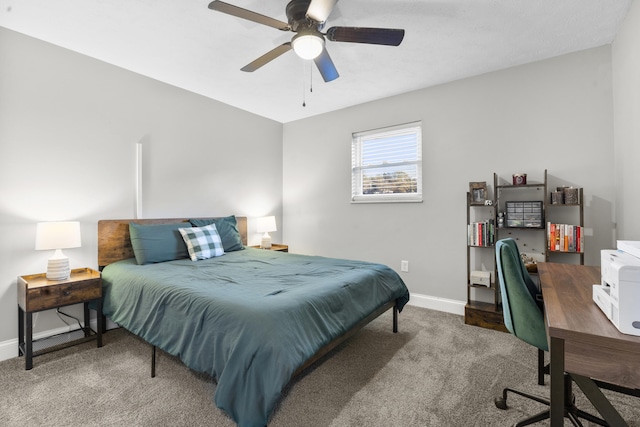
column 58, row 269
column 266, row 241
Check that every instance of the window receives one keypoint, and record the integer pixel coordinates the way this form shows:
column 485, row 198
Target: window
column 386, row 164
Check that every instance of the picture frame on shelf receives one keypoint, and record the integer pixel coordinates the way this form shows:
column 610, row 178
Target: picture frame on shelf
column 477, row 193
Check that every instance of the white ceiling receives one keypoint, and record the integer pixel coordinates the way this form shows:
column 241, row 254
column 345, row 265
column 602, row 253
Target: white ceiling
column 183, row 43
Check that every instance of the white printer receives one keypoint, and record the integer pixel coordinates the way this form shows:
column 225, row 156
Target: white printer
column 618, row 295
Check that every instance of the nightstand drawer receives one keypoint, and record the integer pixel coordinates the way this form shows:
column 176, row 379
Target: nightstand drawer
column 64, row 294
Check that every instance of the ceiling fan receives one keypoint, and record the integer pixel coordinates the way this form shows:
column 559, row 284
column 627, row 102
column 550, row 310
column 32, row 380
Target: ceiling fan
column 307, row 18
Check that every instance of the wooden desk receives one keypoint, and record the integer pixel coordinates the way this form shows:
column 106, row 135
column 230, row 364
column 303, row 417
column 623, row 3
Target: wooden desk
column 583, row 341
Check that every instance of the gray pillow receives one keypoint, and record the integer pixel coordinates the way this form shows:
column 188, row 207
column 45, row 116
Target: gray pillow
column 157, row 242
column 227, row 229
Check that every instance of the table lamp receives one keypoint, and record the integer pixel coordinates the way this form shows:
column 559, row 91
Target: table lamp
column 58, row 236
column 265, row 225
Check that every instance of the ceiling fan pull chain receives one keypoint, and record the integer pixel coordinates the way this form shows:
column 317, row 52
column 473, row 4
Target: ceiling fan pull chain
column 304, row 90
column 310, row 79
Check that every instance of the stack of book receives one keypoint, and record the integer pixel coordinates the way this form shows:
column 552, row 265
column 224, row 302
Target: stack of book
column 481, row 233
column 564, row 237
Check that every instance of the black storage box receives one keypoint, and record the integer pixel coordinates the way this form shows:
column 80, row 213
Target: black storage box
column 524, row 215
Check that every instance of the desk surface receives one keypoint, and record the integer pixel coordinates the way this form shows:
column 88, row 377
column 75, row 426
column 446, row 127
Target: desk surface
column 593, row 345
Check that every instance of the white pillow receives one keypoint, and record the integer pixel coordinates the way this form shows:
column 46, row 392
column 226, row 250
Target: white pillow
column 202, row 242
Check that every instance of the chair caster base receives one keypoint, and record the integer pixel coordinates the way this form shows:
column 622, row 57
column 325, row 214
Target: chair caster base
column 570, row 410
column 501, row 403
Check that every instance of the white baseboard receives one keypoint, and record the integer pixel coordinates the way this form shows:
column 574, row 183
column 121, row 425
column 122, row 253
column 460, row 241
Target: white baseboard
column 9, row 348
column 440, row 304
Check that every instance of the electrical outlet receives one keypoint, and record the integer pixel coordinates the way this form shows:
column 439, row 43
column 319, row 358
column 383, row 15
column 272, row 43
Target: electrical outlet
column 404, row 266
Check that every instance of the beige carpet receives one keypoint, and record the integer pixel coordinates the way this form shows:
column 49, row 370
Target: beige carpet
column 435, row 372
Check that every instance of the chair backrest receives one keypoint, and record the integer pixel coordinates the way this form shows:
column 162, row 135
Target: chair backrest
column 533, row 289
column 522, row 315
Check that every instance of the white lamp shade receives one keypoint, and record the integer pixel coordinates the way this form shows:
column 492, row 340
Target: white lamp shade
column 58, row 235
column 266, row 224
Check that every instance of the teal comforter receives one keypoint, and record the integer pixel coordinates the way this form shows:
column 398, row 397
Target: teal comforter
column 248, row 318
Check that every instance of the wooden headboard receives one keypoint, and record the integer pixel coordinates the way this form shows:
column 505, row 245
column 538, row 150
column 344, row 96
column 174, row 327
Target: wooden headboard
column 114, row 242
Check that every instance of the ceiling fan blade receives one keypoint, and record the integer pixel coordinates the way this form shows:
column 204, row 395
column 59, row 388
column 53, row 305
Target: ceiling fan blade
column 267, row 57
column 385, row 36
column 230, row 9
column 319, row 10
column 326, row 67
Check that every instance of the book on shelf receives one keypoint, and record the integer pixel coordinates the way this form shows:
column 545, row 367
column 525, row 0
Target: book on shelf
column 565, row 237
column 481, row 233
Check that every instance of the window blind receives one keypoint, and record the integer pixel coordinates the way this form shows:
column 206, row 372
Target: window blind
column 387, row 164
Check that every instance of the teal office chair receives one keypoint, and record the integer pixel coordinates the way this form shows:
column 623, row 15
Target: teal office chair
column 523, row 317
column 537, row 296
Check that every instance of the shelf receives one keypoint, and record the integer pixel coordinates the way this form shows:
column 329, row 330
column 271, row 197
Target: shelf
column 62, row 340
column 511, row 186
column 535, row 239
column 484, row 306
column 473, row 285
column 477, row 314
column 522, row 228
column 485, row 315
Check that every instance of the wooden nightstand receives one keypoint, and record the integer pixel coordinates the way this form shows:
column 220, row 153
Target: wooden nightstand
column 275, row 247
column 37, row 293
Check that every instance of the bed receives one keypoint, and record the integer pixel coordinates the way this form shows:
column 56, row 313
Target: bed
column 250, row 318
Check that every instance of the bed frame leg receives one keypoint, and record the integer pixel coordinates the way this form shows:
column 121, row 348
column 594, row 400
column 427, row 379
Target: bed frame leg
column 395, row 319
column 153, row 361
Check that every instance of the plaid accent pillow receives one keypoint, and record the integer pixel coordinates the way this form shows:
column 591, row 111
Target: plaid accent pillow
column 202, row 242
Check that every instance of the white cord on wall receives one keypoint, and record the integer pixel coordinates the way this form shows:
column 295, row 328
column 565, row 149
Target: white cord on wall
column 138, row 212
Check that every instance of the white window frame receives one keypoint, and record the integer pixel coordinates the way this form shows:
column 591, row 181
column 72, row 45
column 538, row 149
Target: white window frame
column 390, row 136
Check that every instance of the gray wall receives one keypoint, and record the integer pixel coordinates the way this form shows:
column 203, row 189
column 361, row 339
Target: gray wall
column 69, row 126
column 68, row 131
column 554, row 114
column 626, row 96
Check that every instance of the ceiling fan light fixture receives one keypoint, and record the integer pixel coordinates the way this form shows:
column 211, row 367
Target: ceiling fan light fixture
column 308, row 46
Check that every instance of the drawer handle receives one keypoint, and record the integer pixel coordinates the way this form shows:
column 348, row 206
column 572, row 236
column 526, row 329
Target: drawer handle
column 66, row 293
